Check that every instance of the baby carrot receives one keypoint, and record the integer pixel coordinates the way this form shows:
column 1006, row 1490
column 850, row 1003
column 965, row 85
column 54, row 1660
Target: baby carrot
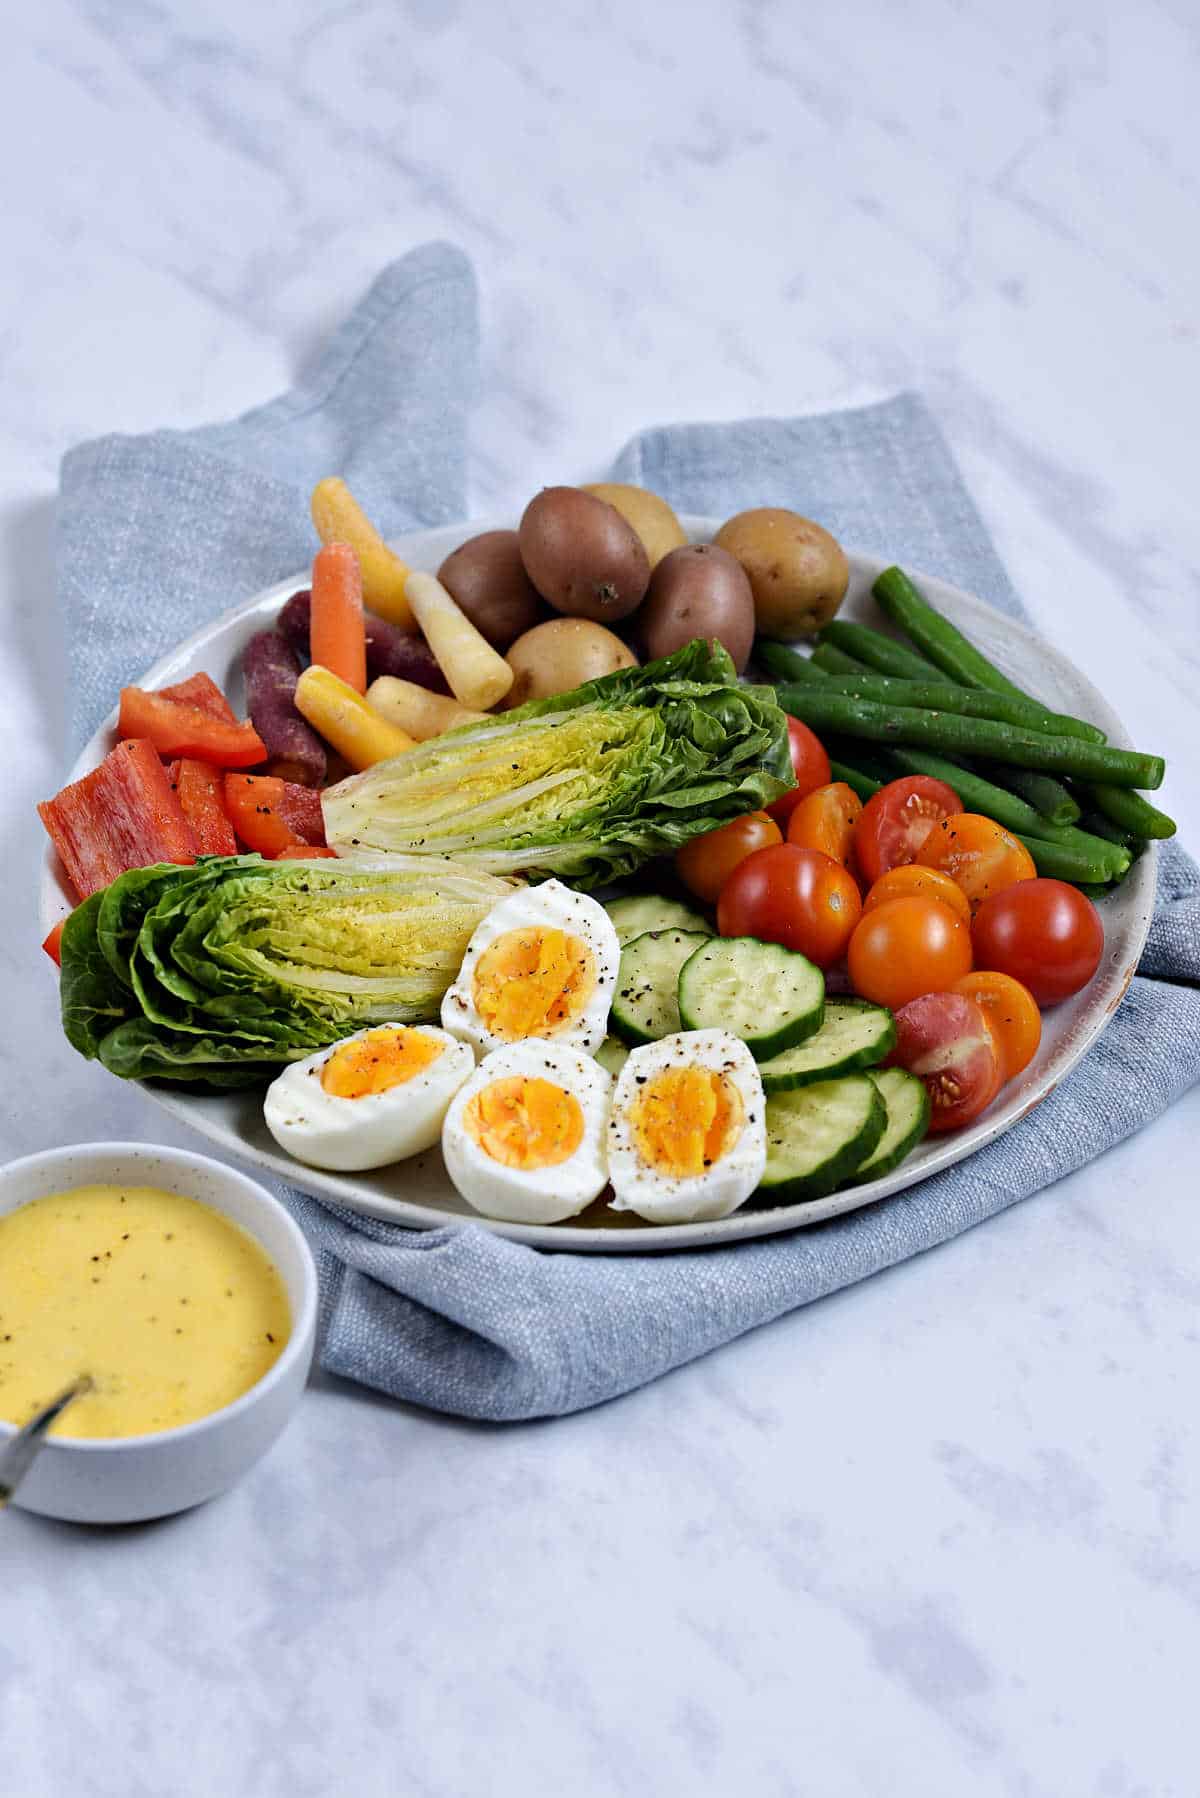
column 337, row 636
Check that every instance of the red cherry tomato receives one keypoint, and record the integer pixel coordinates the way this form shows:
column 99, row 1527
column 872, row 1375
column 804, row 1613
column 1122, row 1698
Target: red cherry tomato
column 810, row 765
column 797, row 897
column 896, row 820
column 906, row 947
column 946, row 1041
column 705, row 863
column 1043, row 933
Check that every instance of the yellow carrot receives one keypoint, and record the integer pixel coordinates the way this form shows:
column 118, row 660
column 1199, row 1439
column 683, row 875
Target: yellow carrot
column 340, row 519
column 336, row 634
column 475, row 674
column 415, row 709
column 346, row 721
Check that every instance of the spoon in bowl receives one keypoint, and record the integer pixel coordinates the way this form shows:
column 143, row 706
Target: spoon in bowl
column 22, row 1451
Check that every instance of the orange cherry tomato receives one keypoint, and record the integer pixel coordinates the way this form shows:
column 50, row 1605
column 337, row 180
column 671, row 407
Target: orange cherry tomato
column 797, row 897
column 705, row 863
column 978, row 854
column 1012, row 1013
column 911, row 881
column 825, row 820
column 906, row 948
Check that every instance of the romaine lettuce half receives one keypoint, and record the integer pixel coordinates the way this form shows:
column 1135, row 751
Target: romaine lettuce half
column 586, row 785
column 222, row 972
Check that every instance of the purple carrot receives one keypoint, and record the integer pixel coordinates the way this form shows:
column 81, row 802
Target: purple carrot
column 389, row 649
column 271, row 669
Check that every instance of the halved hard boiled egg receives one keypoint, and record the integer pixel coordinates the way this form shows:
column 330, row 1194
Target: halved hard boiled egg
column 524, row 1138
column 378, row 1097
column 542, row 963
column 687, row 1139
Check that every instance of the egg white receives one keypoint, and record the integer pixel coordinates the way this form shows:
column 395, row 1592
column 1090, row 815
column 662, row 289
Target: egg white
column 656, row 1196
column 534, row 1195
column 350, row 1135
column 555, row 907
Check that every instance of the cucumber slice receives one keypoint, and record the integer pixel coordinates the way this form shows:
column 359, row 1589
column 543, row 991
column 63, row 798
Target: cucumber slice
column 612, row 1055
column 818, row 1135
column 646, row 1003
column 907, row 1105
column 769, row 996
column 640, row 912
column 855, row 1035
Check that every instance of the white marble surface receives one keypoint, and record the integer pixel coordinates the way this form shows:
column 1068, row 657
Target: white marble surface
column 938, row 1535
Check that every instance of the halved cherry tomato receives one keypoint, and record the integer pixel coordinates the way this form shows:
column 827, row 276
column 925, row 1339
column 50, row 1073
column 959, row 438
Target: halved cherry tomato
column 896, row 821
column 1012, row 1012
column 978, row 854
column 810, row 765
column 825, row 820
column 1043, row 933
column 794, row 896
column 705, row 863
column 908, row 947
column 945, row 1040
column 909, row 881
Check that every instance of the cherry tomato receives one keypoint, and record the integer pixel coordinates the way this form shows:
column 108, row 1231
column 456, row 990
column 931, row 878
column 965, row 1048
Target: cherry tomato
column 979, row 855
column 896, row 821
column 910, row 881
column 810, row 765
column 1043, row 933
column 825, row 820
column 1011, row 1011
column 908, row 947
column 705, row 863
column 792, row 896
column 945, row 1039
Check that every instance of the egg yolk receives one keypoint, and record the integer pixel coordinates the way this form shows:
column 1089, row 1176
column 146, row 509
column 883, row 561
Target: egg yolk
column 685, row 1119
column 532, row 982
column 376, row 1062
column 525, row 1123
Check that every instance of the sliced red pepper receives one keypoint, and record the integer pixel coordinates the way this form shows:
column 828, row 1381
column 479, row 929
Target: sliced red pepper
column 306, row 852
column 53, row 943
column 201, row 793
column 201, row 690
column 122, row 815
column 300, row 809
column 179, row 728
column 253, row 802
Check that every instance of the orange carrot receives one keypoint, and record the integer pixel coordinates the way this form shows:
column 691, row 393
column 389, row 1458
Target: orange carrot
column 337, row 636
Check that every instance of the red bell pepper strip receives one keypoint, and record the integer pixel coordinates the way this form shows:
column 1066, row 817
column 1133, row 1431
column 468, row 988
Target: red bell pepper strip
column 201, row 690
column 178, row 728
column 202, row 795
column 53, row 943
column 122, row 815
column 306, row 852
column 255, row 803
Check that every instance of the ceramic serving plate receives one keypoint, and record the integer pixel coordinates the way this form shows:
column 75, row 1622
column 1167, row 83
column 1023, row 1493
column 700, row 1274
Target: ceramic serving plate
column 418, row 1193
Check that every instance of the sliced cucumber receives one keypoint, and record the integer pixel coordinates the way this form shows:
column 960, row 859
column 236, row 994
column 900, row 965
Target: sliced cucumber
column 612, row 1055
column 765, row 994
column 646, row 1003
column 818, row 1135
column 907, row 1105
column 854, row 1035
column 640, row 912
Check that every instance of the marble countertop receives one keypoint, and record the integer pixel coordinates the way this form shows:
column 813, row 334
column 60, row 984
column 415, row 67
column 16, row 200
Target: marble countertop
column 937, row 1535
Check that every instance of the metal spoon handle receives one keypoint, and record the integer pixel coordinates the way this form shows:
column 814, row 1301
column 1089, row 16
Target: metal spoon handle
column 22, row 1451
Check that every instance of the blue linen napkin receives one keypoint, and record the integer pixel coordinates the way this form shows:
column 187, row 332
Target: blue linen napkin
column 158, row 533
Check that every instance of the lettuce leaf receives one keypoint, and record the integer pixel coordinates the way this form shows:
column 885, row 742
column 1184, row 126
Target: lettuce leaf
column 586, row 785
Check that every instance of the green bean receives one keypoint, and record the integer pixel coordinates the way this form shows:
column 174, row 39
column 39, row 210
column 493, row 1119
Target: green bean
column 1100, row 826
column 858, row 782
column 945, row 696
column 1063, row 861
column 878, row 765
column 944, row 732
column 831, row 660
column 1045, row 794
column 935, row 636
column 877, row 650
column 1130, row 812
column 783, row 663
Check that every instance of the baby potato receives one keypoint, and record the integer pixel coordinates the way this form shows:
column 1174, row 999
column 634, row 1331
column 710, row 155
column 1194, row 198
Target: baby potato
column 582, row 556
column 650, row 516
column 798, row 572
column 561, row 654
column 486, row 578
column 698, row 591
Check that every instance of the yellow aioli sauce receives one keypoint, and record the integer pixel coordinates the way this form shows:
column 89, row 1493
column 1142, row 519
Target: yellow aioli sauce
column 173, row 1309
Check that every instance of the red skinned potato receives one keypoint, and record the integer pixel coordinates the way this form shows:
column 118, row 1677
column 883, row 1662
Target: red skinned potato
column 271, row 669
column 584, row 558
column 486, row 579
column 698, row 590
column 403, row 654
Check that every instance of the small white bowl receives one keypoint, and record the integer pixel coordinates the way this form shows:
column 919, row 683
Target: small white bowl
column 126, row 1479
